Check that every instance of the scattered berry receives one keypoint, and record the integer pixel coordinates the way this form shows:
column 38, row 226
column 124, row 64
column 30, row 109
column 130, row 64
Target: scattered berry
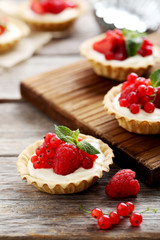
column 96, row 213
column 136, row 219
column 104, row 222
column 115, row 217
column 123, row 209
column 123, row 184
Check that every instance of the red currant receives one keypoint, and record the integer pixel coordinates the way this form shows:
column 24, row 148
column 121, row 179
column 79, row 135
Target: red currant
column 149, row 107
column 136, row 219
column 96, row 213
column 50, row 153
column 132, row 77
column 150, row 90
column 48, row 136
column 47, row 145
column 115, row 217
column 134, row 108
column 144, row 100
column 139, row 81
column 55, row 141
column 42, row 157
column 132, row 97
column 104, row 222
column 49, row 163
column 37, row 164
column 142, row 90
column 123, row 102
column 34, row 158
column 87, row 163
column 131, row 206
column 123, row 209
column 40, row 150
column 124, row 85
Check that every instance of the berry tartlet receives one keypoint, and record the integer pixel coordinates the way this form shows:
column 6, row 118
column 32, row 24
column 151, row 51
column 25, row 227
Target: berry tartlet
column 117, row 53
column 51, row 15
column 11, row 31
column 64, row 163
column 136, row 103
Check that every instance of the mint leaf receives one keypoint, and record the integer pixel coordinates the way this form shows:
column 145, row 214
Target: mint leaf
column 87, row 147
column 133, row 41
column 75, row 134
column 64, row 133
column 155, row 78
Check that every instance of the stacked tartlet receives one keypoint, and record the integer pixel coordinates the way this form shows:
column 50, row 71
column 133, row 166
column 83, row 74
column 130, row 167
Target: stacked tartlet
column 51, row 15
column 117, row 53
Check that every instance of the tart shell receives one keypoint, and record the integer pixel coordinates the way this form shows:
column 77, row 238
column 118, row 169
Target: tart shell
column 130, row 124
column 4, row 47
column 51, row 26
column 65, row 188
column 107, row 69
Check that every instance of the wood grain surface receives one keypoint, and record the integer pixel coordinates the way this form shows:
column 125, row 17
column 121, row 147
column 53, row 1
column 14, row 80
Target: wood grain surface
column 26, row 213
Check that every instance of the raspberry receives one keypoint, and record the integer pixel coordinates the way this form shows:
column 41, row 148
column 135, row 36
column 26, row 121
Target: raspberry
column 123, row 184
column 68, row 158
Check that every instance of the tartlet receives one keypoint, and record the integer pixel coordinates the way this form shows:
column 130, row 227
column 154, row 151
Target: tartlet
column 144, row 120
column 52, row 22
column 15, row 30
column 62, row 184
column 116, row 69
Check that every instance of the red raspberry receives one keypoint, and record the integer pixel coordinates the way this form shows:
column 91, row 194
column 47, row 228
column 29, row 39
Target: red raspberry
column 157, row 100
column 123, row 184
column 68, row 158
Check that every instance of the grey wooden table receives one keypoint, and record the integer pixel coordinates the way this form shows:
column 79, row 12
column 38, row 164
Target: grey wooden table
column 26, row 213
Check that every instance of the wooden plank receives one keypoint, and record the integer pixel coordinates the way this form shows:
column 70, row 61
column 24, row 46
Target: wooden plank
column 73, row 95
column 27, row 213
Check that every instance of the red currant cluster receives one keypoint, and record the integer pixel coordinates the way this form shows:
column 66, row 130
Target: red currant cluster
column 137, row 93
column 64, row 158
column 123, row 210
column 113, row 46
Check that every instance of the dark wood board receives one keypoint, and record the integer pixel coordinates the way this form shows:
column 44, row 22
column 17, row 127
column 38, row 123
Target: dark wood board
column 73, row 96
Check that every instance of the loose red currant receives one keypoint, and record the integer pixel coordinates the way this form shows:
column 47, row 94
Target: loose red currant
column 134, row 108
column 40, row 150
column 96, row 213
column 115, row 217
column 55, row 141
column 142, row 90
column 104, row 222
column 87, row 163
column 123, row 102
column 135, row 219
column 131, row 206
column 132, row 77
column 150, row 90
column 34, row 158
column 132, row 97
column 149, row 107
column 123, row 209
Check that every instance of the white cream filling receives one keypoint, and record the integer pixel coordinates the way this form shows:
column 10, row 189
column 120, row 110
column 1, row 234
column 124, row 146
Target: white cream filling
column 142, row 115
column 12, row 33
column 68, row 13
column 79, row 174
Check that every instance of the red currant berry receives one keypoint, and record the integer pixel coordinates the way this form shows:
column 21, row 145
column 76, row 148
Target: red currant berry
column 124, row 85
column 87, row 163
column 142, row 90
column 115, row 217
column 47, row 145
column 144, row 100
column 139, row 81
column 149, row 107
column 135, row 219
column 132, row 97
column 96, row 213
column 50, row 153
column 134, row 108
column 123, row 209
column 42, row 157
column 34, row 158
column 131, row 206
column 48, row 136
column 55, row 141
column 49, row 163
column 123, row 102
column 40, row 150
column 150, row 90
column 104, row 222
column 132, row 77
column 37, row 164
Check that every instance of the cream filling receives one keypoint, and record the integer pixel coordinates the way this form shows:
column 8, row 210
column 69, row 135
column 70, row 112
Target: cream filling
column 142, row 115
column 12, row 33
column 68, row 13
column 79, row 174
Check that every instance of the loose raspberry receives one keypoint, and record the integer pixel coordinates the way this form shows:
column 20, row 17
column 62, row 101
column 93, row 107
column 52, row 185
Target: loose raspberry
column 68, row 158
column 123, row 184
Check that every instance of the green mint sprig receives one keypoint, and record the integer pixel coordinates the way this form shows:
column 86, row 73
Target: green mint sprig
column 133, row 41
column 155, row 78
column 69, row 136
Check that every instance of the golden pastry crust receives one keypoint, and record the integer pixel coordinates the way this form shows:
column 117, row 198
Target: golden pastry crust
column 41, row 25
column 120, row 70
column 65, row 188
column 130, row 124
column 8, row 45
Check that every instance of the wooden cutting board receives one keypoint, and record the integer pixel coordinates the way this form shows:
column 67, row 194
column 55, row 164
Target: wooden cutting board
column 73, row 96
